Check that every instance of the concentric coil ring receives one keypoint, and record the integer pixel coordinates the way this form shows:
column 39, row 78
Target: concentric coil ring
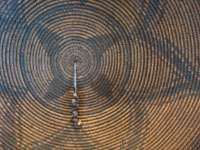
column 138, row 68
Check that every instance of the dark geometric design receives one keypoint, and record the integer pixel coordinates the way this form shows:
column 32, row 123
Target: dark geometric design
column 138, row 74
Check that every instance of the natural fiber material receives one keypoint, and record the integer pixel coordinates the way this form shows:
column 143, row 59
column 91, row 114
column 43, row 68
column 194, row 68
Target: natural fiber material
column 138, row 74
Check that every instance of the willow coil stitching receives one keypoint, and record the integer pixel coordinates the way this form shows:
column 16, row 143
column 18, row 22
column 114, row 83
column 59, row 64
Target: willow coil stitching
column 138, row 64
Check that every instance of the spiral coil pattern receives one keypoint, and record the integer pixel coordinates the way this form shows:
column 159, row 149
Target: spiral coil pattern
column 138, row 65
